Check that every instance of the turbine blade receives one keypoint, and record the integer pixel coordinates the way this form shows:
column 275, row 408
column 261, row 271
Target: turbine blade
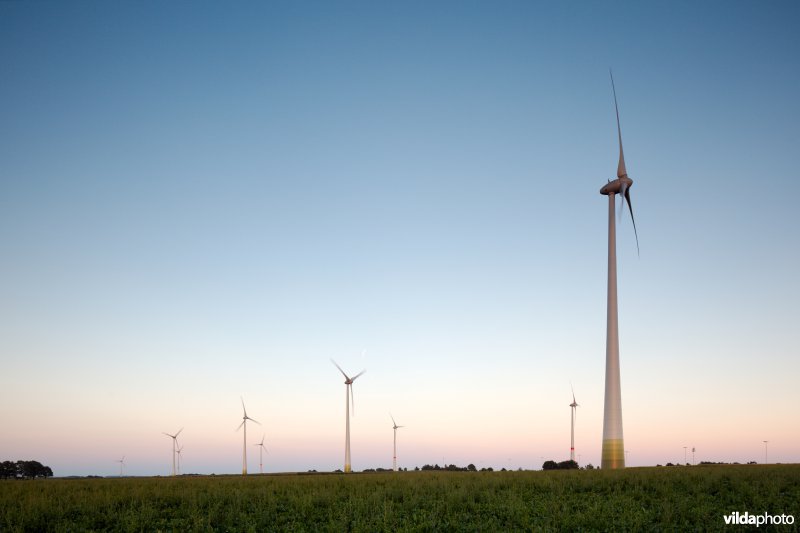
column 254, row 420
column 393, row 422
column 630, row 207
column 178, row 433
column 240, row 426
column 243, row 408
column 340, row 369
column 354, row 377
column 621, row 167
column 573, row 392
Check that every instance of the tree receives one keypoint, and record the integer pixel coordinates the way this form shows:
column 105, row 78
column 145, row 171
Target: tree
column 567, row 465
column 8, row 470
column 24, row 469
column 563, row 465
column 471, row 468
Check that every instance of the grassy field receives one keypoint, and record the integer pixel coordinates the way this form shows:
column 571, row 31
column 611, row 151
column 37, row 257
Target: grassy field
column 672, row 499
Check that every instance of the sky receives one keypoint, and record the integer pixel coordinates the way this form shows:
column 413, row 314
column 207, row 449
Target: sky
column 205, row 201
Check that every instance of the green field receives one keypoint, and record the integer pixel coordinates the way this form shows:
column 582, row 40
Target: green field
column 673, row 499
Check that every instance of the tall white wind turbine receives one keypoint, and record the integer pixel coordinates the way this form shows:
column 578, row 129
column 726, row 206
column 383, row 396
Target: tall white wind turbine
column 261, row 450
column 573, row 407
column 348, row 392
column 174, row 446
column 245, row 418
column 613, row 443
column 394, row 455
column 121, row 464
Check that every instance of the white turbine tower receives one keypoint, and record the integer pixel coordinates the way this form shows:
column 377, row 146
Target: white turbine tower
column 573, row 407
column 245, row 418
column 174, row 446
column 613, row 443
column 348, row 392
column 394, row 456
column 121, row 464
column 178, row 451
column 261, row 449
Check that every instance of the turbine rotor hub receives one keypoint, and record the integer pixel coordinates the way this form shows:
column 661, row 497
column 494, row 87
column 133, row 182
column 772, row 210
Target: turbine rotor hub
column 615, row 187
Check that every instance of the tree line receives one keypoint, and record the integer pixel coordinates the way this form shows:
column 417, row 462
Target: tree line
column 24, row 470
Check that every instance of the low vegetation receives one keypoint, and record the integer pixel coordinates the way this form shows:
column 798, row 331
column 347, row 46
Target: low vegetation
column 673, row 499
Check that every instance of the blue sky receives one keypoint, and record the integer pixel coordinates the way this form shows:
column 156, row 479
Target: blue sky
column 200, row 201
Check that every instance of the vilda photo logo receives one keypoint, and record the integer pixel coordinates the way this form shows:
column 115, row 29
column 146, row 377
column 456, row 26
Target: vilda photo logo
column 747, row 519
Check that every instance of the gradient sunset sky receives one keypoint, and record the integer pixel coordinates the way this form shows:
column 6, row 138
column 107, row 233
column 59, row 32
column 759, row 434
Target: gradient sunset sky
column 206, row 200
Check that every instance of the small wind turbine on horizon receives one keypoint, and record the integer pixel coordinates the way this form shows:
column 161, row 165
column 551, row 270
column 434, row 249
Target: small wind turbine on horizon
column 261, row 451
column 178, row 451
column 121, row 464
column 348, row 392
column 573, row 407
column 174, row 446
column 245, row 418
column 613, row 442
column 394, row 456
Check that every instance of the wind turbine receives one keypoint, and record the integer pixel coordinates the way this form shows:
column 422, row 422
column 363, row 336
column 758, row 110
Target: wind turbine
column 394, row 457
column 261, row 450
column 178, row 451
column 613, row 443
column 245, row 418
column 121, row 464
column 174, row 447
column 573, row 406
column 348, row 381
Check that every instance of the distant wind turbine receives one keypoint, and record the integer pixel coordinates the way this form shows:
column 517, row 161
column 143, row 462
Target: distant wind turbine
column 178, row 451
column 348, row 392
column 121, row 464
column 573, row 407
column 613, row 442
column 394, row 456
column 261, row 450
column 174, row 447
column 245, row 418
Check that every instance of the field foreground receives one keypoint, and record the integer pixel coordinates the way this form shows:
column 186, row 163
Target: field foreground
column 674, row 498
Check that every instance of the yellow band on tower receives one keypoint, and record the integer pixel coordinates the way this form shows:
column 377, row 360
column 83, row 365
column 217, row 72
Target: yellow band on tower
column 613, row 454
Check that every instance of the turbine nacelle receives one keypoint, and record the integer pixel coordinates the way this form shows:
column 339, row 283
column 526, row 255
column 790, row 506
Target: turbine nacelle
column 245, row 418
column 347, row 379
column 618, row 186
column 394, row 424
